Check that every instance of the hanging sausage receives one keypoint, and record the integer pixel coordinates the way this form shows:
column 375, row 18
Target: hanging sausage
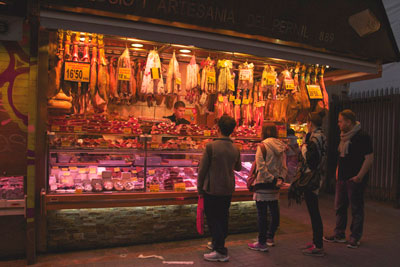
column 174, row 80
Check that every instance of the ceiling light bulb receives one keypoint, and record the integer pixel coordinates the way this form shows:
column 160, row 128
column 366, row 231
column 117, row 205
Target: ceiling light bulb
column 137, row 45
column 82, row 39
column 185, row 51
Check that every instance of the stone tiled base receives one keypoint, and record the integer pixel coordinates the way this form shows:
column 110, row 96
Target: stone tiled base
column 76, row 229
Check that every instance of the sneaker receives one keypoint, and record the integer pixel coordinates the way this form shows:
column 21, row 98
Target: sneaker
column 216, row 256
column 334, row 239
column 210, row 246
column 270, row 243
column 353, row 243
column 257, row 246
column 313, row 251
column 308, row 245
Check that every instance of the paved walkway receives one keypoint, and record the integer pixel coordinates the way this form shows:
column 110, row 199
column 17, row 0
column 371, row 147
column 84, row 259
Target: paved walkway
column 380, row 245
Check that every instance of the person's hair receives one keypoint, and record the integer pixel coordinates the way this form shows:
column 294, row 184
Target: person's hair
column 348, row 115
column 269, row 130
column 290, row 131
column 226, row 125
column 316, row 118
column 179, row 104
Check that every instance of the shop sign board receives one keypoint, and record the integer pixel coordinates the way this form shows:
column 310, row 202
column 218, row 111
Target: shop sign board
column 287, row 23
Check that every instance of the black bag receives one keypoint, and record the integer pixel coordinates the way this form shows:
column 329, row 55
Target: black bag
column 253, row 171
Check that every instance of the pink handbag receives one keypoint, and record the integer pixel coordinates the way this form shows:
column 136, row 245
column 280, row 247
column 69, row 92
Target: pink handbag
column 200, row 215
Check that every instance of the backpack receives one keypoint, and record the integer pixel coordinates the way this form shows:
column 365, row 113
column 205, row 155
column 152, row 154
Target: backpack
column 253, row 171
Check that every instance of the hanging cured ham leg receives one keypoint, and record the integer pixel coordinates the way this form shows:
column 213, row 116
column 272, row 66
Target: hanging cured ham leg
column 102, row 73
column 76, row 87
column 84, row 96
column 93, row 70
column 323, row 89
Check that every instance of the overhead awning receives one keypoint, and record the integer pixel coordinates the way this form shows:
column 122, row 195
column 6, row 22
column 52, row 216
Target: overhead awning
column 133, row 29
column 357, row 29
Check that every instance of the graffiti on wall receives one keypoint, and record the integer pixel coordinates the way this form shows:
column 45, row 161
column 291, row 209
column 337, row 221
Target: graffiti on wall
column 14, row 89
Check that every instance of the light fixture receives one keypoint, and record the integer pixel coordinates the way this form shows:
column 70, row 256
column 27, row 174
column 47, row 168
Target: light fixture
column 82, row 39
column 185, row 50
column 137, row 45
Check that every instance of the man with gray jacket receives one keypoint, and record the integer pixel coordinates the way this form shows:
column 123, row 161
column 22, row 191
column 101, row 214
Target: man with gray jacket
column 216, row 182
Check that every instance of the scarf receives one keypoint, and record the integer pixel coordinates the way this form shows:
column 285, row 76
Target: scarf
column 345, row 139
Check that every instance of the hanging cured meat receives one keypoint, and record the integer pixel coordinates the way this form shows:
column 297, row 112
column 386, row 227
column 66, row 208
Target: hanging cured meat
column 102, row 72
column 133, row 85
column 93, row 69
column 152, row 82
column 305, row 102
column 294, row 98
column 140, row 65
column 258, row 105
column 174, row 79
column 84, row 95
column 226, row 77
column 208, row 76
column 56, row 72
column 323, row 89
column 268, row 82
column 124, row 74
column 192, row 73
column 67, row 85
column 76, row 87
column 113, row 79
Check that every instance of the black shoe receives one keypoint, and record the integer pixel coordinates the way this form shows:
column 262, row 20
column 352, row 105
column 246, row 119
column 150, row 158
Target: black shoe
column 334, row 239
column 353, row 243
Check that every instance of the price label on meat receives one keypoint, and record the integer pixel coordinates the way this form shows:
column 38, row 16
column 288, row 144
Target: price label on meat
column 220, row 98
column 314, row 92
column 127, row 130
column 231, row 85
column 180, row 187
column 152, row 172
column 117, row 169
column 155, row 73
column 55, row 128
column 154, row 145
column 76, row 71
column 271, row 79
column 154, row 188
column 246, row 101
column 289, row 85
column 260, row 104
column 124, row 74
column 244, row 75
column 231, row 98
column 78, row 129
column 238, row 101
column 207, row 133
column 210, row 76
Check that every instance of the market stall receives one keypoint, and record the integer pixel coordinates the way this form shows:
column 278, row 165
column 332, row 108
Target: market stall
column 110, row 71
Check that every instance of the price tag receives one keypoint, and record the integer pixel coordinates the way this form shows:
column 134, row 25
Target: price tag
column 289, row 85
column 65, row 143
column 271, row 79
column 73, row 168
column 207, row 132
column 92, row 170
column 127, row 130
column 244, row 75
column 238, row 101
column 178, row 81
column 117, row 169
column 55, row 128
column 76, row 71
column 154, row 145
column 124, row 74
column 231, row 85
column 210, row 76
column 183, row 146
column 78, row 129
column 260, row 104
column 64, row 169
column 220, row 98
column 231, row 98
column 134, row 171
column 180, row 187
column 154, row 188
column 152, row 172
column 155, row 73
column 246, row 101
column 314, row 92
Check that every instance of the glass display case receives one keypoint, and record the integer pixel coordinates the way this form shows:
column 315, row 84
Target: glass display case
column 110, row 163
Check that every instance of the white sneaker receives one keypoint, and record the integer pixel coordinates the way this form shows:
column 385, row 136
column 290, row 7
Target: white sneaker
column 216, row 256
column 210, row 246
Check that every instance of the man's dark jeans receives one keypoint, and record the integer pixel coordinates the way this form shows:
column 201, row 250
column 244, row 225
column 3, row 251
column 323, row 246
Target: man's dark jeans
column 264, row 231
column 216, row 209
column 316, row 222
column 349, row 192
